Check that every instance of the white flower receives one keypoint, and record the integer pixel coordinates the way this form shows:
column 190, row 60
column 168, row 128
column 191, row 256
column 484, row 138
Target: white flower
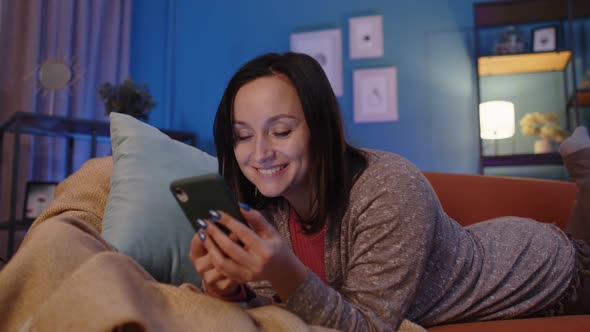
column 543, row 125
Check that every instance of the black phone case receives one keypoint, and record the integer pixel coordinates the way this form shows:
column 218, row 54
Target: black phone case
column 204, row 193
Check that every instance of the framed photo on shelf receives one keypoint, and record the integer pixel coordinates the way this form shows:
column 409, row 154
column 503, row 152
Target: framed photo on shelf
column 325, row 46
column 38, row 196
column 544, row 39
column 375, row 95
column 366, row 36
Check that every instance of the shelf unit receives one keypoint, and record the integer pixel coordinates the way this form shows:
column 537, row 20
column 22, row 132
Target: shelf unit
column 54, row 126
column 517, row 12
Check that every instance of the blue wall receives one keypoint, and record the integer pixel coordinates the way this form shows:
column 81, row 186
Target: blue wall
column 187, row 51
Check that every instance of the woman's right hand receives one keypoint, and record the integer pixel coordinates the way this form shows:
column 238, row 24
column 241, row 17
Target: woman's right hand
column 214, row 282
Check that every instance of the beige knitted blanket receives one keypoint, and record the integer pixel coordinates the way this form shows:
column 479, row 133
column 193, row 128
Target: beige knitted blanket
column 65, row 277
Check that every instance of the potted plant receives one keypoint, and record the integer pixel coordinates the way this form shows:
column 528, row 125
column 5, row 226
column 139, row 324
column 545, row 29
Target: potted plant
column 546, row 127
column 128, row 98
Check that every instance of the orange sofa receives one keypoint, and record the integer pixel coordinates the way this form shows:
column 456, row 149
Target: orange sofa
column 473, row 198
column 466, row 198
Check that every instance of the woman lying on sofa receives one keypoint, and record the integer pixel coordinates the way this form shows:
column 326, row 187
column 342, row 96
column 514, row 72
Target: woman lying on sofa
column 356, row 239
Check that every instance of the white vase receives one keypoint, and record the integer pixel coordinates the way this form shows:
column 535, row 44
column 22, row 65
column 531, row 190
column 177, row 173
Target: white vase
column 544, row 145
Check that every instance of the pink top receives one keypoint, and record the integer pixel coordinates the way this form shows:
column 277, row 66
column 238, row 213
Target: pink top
column 309, row 248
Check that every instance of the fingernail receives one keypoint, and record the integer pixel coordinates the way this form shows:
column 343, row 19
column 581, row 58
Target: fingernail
column 201, row 223
column 244, row 206
column 214, row 215
column 201, row 236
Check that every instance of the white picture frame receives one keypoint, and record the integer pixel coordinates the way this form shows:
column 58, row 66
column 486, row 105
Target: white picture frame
column 38, row 196
column 375, row 95
column 326, row 47
column 545, row 39
column 366, row 36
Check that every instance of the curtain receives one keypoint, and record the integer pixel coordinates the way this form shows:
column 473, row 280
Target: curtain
column 92, row 37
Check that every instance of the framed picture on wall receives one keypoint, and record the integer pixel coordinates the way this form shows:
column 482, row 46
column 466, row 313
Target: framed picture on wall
column 366, row 36
column 38, row 196
column 325, row 46
column 375, row 95
column 545, row 39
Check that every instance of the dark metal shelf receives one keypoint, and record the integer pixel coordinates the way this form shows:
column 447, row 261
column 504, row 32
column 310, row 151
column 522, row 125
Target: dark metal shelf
column 71, row 129
column 57, row 126
column 523, row 159
column 495, row 14
column 18, row 224
column 488, row 14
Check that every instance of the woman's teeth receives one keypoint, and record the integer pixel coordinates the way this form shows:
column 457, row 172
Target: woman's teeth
column 270, row 171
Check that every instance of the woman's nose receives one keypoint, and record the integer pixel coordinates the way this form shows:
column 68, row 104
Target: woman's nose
column 264, row 151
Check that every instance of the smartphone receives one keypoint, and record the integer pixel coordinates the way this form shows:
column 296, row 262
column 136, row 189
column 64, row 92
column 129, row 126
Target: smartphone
column 198, row 194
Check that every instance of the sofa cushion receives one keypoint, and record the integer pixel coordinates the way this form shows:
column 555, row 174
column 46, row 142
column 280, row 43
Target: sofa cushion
column 142, row 218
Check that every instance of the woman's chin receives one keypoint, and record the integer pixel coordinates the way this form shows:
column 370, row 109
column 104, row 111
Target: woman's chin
column 270, row 192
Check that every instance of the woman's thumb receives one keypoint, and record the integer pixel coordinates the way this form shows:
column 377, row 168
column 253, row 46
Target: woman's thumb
column 256, row 220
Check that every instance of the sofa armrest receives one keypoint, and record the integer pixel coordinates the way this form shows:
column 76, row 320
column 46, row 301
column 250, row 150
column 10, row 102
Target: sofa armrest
column 470, row 198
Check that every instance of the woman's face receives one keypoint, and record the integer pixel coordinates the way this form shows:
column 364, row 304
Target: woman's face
column 272, row 137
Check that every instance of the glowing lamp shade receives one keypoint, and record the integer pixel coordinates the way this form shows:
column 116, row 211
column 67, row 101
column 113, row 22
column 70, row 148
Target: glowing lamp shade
column 496, row 119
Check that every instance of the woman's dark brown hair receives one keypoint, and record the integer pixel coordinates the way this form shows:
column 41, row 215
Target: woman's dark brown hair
column 334, row 164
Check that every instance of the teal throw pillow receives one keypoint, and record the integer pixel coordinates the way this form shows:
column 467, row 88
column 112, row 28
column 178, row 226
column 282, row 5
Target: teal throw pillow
column 142, row 218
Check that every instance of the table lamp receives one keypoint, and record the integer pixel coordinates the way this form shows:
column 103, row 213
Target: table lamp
column 496, row 120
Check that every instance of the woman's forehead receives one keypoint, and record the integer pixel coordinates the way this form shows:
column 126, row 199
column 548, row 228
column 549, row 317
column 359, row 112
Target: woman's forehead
column 269, row 98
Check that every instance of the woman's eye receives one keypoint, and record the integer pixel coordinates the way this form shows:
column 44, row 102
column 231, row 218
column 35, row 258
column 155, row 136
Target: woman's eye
column 240, row 136
column 282, row 133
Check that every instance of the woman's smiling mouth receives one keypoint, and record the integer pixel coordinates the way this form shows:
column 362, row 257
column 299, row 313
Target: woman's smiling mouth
column 271, row 170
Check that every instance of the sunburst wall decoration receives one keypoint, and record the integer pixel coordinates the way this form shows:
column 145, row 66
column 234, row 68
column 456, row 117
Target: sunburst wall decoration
column 59, row 74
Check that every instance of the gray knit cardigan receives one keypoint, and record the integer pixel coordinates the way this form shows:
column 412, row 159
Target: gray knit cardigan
column 396, row 254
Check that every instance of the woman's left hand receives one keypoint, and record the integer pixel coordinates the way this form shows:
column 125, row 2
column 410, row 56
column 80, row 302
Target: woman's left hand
column 265, row 255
